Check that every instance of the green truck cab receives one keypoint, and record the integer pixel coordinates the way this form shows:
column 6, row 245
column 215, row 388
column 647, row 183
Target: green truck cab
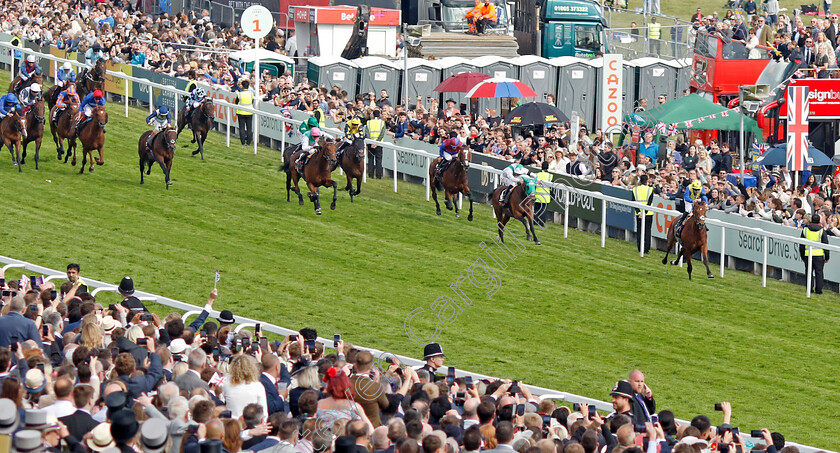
column 574, row 28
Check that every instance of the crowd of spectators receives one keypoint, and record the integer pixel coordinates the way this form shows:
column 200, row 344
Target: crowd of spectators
column 79, row 376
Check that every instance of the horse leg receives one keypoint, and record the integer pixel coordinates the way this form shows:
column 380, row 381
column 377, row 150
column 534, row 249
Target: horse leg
column 314, row 197
column 469, row 197
column 455, row 204
column 531, row 225
column 201, row 137
column 24, row 145
column 670, row 240
column 168, row 171
column 288, row 185
column 448, row 201
column 17, row 149
column 73, row 144
column 101, row 157
column 687, row 255
column 335, row 193
column 37, row 151
column 297, row 190
column 142, row 165
column 503, row 220
column 91, row 160
column 358, row 184
column 434, row 197
column 704, row 252
column 12, row 152
column 165, row 171
column 524, row 220
column 84, row 160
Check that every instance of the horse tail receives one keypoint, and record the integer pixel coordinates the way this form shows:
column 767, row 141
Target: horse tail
column 284, row 166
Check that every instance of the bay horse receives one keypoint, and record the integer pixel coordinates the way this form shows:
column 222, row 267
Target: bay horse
column 201, row 122
column 62, row 128
column 163, row 148
column 34, row 120
column 13, row 129
column 453, row 181
column 352, row 161
column 51, row 95
column 36, row 78
column 520, row 207
column 92, row 137
column 693, row 238
column 92, row 79
column 316, row 172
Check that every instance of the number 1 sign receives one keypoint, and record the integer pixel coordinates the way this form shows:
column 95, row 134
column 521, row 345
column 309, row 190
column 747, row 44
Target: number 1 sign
column 257, row 21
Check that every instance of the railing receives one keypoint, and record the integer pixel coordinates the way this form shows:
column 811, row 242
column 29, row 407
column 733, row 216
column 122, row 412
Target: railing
column 562, row 189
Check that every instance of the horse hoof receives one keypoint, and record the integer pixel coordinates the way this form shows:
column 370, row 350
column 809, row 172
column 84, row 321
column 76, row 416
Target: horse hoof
column 537, row 242
column 438, row 212
column 100, row 162
column 711, row 276
column 664, row 261
column 194, row 153
column 457, row 215
column 23, row 161
column 674, row 263
column 300, row 202
column 318, row 211
column 168, row 183
column 469, row 217
column 332, row 206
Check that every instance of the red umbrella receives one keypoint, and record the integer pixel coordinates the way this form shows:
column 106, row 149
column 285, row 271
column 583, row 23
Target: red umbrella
column 461, row 83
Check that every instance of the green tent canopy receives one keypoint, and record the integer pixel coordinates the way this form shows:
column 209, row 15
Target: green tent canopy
column 690, row 108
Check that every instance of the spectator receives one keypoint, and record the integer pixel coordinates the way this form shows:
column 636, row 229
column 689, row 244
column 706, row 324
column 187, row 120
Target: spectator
column 242, row 386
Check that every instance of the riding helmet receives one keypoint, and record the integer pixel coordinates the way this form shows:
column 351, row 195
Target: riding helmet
column 98, row 94
column 163, row 110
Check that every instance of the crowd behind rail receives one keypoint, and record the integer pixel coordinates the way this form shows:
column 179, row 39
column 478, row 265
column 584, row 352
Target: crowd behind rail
column 81, row 376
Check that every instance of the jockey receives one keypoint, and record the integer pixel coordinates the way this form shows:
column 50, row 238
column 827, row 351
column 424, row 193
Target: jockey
column 352, row 131
column 693, row 192
column 66, row 97
column 9, row 105
column 448, row 150
column 28, row 69
column 90, row 102
column 65, row 74
column 29, row 95
column 160, row 119
column 197, row 97
column 94, row 54
column 307, row 144
column 511, row 176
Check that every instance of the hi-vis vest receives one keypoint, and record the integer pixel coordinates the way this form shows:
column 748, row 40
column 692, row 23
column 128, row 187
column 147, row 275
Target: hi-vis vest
column 15, row 41
column 375, row 129
column 321, row 123
column 542, row 194
column 815, row 236
column 654, row 30
column 246, row 99
column 642, row 195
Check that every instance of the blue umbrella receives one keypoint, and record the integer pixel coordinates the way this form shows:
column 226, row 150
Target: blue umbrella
column 777, row 155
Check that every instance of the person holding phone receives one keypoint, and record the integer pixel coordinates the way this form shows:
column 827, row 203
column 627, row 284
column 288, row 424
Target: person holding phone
column 14, row 324
column 274, row 373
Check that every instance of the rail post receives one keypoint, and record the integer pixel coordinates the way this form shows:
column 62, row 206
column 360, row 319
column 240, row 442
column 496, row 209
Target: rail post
column 604, row 223
column 764, row 263
column 722, row 250
column 228, row 125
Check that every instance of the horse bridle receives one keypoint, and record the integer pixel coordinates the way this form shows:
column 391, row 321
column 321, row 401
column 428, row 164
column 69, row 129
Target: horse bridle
column 323, row 150
column 39, row 119
column 170, row 143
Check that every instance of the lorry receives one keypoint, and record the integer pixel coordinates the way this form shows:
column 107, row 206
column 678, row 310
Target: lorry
column 575, row 28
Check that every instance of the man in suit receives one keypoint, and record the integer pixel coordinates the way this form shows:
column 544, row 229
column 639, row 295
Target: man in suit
column 380, row 440
column 189, row 381
column 764, row 33
column 80, row 422
column 504, row 438
column 808, row 54
column 14, row 327
column 360, row 431
column 274, row 372
column 831, row 30
column 281, row 438
column 144, row 383
column 369, row 392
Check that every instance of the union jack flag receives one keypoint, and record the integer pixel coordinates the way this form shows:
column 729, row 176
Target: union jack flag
column 672, row 129
column 797, row 128
column 285, row 112
column 799, row 74
column 757, row 151
column 724, row 113
column 660, row 127
column 688, row 124
column 701, row 119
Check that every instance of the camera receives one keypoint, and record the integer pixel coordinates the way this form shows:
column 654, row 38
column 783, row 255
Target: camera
column 142, row 342
column 718, row 407
column 514, row 388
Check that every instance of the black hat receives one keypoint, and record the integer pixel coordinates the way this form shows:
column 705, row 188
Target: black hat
column 115, row 401
column 451, row 100
column 345, row 444
column 124, row 426
column 126, row 286
column 210, row 446
column 623, row 388
column 301, row 365
column 226, row 317
column 432, row 350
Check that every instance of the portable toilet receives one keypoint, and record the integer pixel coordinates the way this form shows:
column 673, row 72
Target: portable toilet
column 377, row 73
column 496, row 67
column 655, row 77
column 577, row 85
column 275, row 63
column 537, row 73
column 422, row 78
column 683, row 75
column 451, row 66
column 629, row 85
column 329, row 71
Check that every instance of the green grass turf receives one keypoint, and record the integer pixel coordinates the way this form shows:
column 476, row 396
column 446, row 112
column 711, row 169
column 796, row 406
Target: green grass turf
column 568, row 315
column 684, row 10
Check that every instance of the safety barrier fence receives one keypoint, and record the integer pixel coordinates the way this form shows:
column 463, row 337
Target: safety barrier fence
column 570, row 196
column 97, row 286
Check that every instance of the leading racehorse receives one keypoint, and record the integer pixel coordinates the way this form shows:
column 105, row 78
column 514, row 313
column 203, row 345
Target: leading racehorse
column 316, row 172
column 453, row 181
column 692, row 238
column 92, row 137
column 34, row 120
column 13, row 129
column 520, row 206
column 201, row 122
column 163, row 149
column 352, row 161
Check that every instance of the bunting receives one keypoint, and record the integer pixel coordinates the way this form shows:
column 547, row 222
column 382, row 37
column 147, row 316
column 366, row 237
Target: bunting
column 671, row 129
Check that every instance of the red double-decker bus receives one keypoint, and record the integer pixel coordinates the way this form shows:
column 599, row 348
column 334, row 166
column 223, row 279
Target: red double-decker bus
column 721, row 65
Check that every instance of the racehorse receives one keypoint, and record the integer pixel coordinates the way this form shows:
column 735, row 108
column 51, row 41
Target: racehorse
column 316, row 172
column 352, row 161
column 51, row 95
column 91, row 80
column 62, row 128
column 36, row 78
column 34, row 120
column 12, row 129
column 453, row 181
column 520, row 207
column 92, row 137
column 201, row 122
column 693, row 238
column 163, row 148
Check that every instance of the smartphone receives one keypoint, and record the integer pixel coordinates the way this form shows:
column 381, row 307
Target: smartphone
column 450, row 375
column 757, row 434
column 38, row 282
column 142, row 341
column 152, row 393
column 7, row 292
column 514, row 389
column 336, row 339
column 520, row 409
column 264, row 344
column 14, row 346
column 639, row 428
column 258, row 328
column 736, row 433
column 45, row 330
column 460, row 395
column 468, row 381
column 2, row 282
column 389, row 360
column 310, row 346
column 718, row 407
column 255, row 347
column 40, row 366
column 33, row 280
column 293, row 337
column 33, row 307
column 224, row 414
column 53, row 294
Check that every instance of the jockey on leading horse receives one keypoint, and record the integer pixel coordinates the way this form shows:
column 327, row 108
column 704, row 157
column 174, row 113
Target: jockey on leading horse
column 511, row 176
column 693, row 192
column 449, row 150
column 89, row 103
column 27, row 70
column 160, row 120
column 66, row 97
column 308, row 140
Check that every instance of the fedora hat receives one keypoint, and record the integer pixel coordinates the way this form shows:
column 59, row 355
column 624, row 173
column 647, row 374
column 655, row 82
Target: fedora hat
column 9, row 419
column 126, row 286
column 154, row 435
column 28, row 441
column 100, row 438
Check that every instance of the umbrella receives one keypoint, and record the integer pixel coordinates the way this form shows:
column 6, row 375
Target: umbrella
column 777, row 155
column 461, row 83
column 500, row 87
column 535, row 113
